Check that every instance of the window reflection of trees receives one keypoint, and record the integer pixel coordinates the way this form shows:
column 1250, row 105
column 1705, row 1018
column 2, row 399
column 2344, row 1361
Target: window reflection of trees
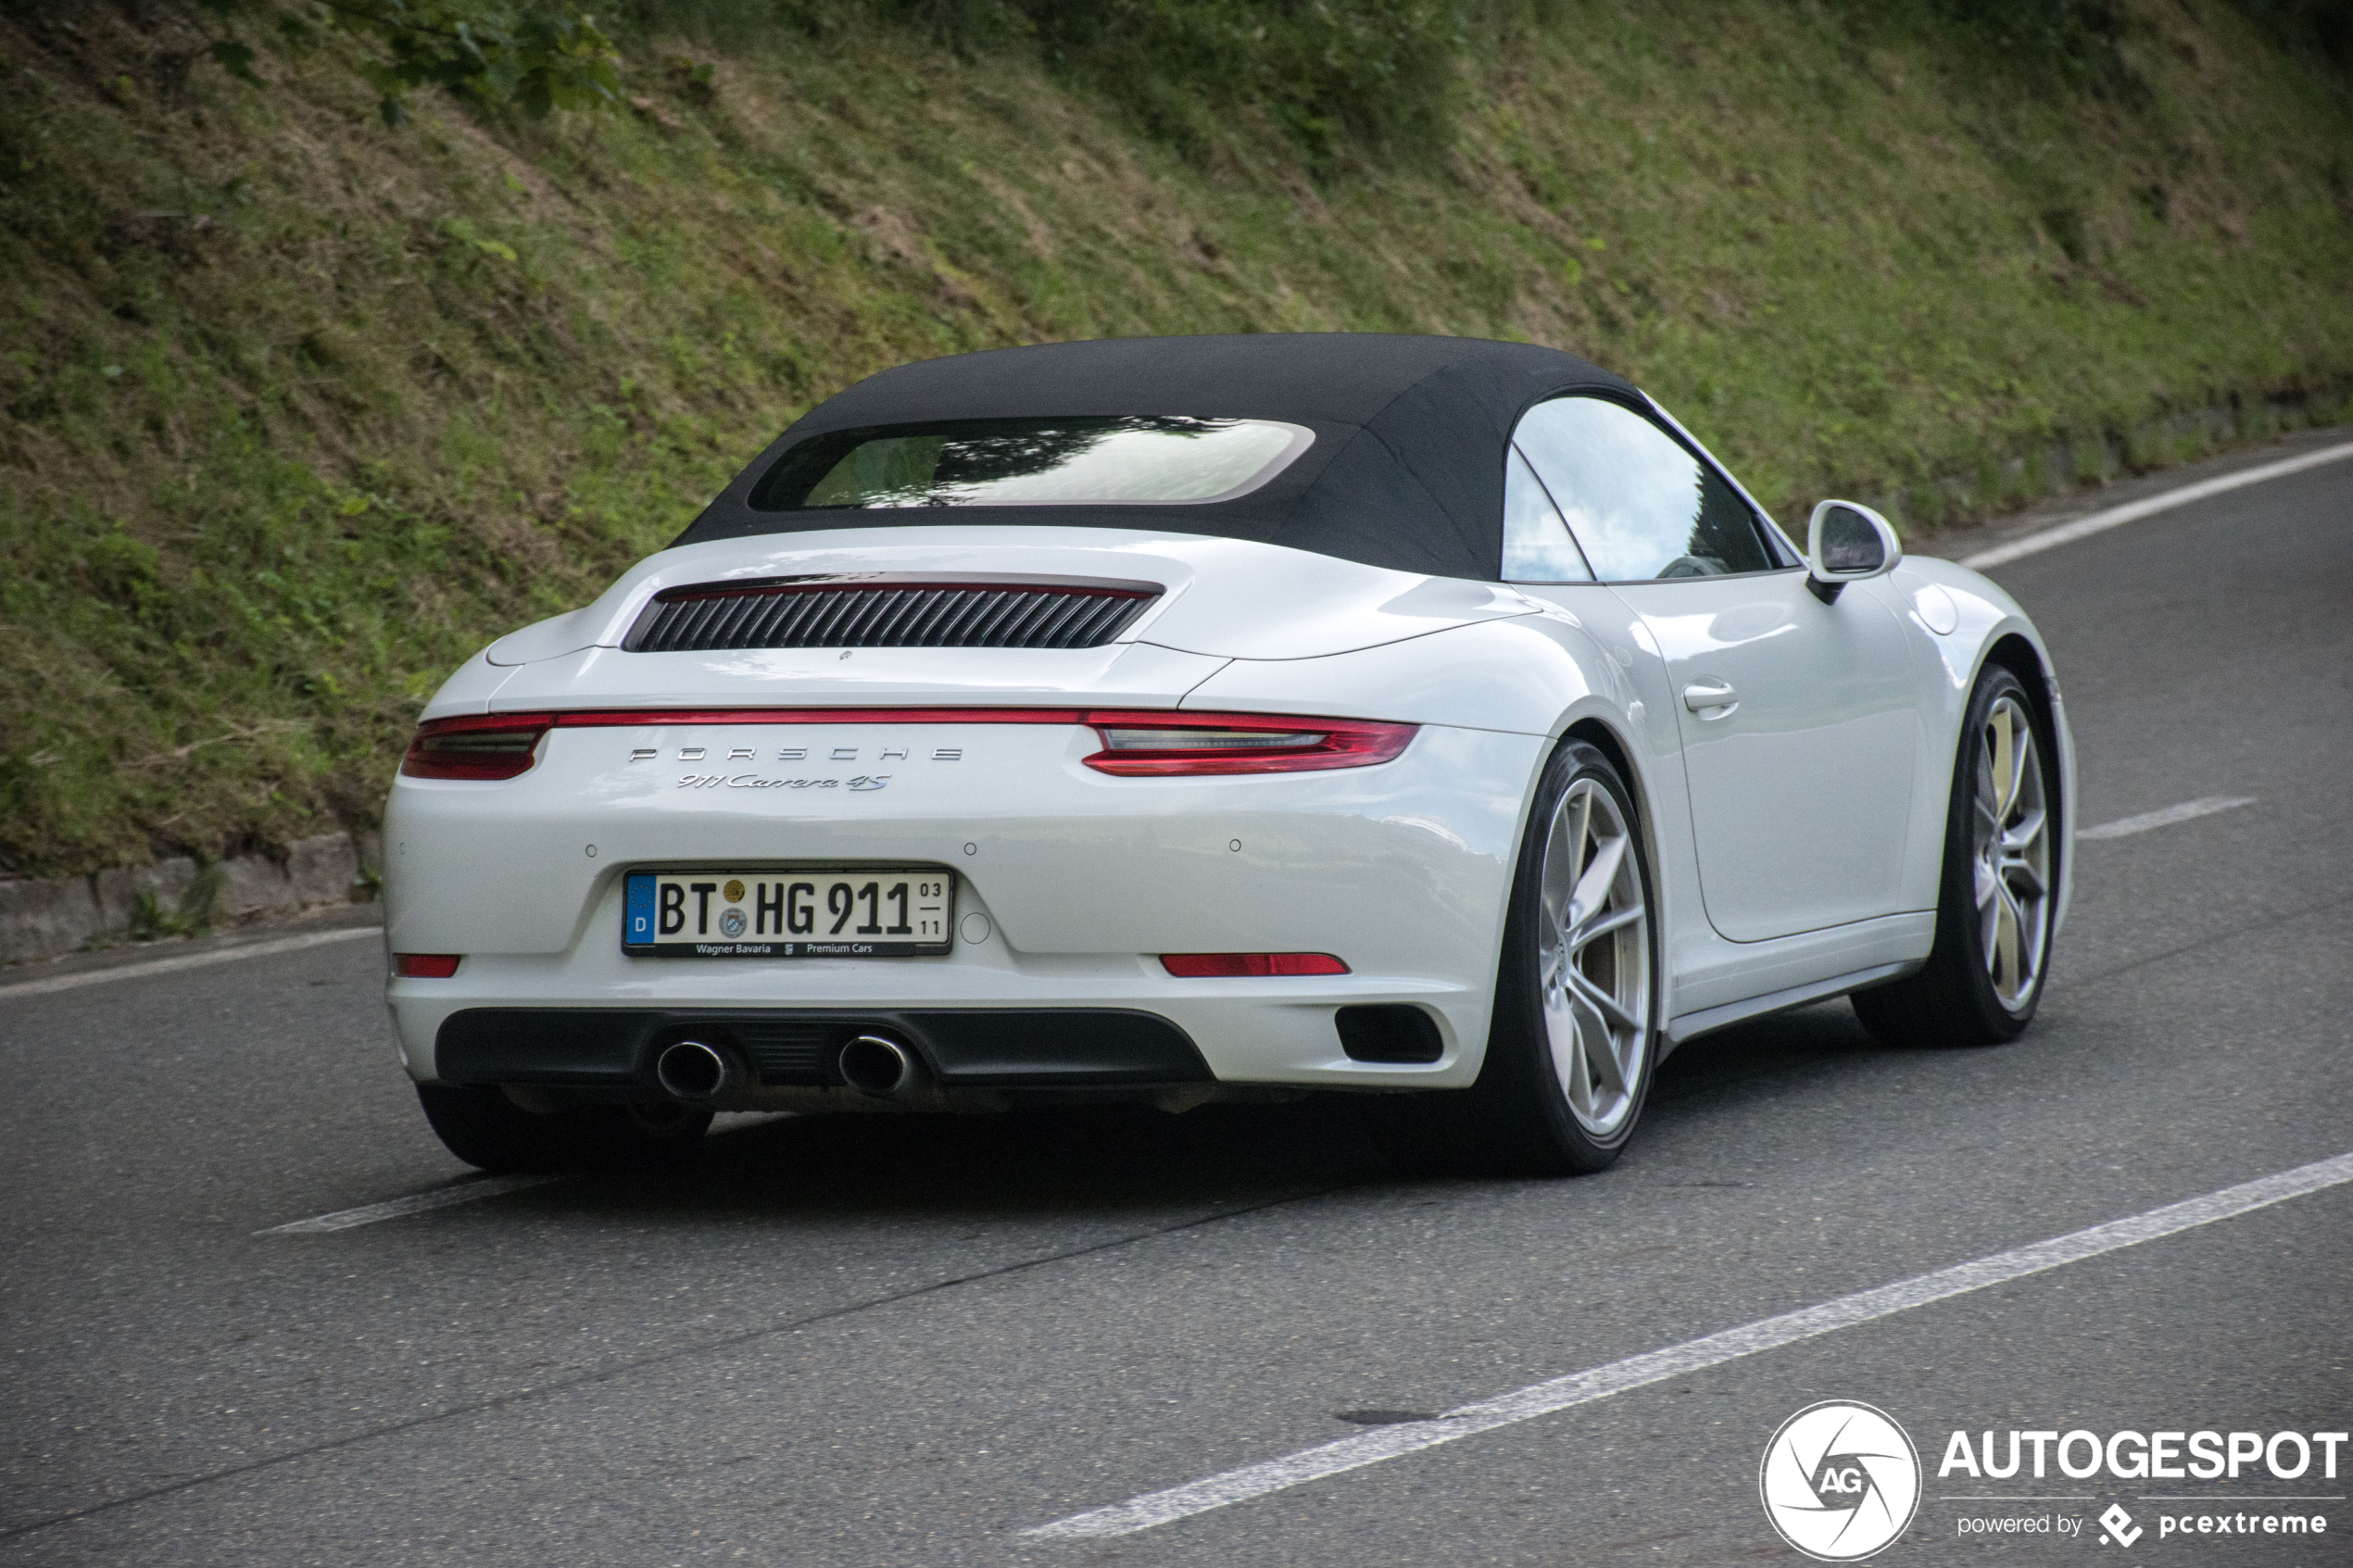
column 941, row 466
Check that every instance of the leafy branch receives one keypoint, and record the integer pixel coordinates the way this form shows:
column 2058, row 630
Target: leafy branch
column 536, row 55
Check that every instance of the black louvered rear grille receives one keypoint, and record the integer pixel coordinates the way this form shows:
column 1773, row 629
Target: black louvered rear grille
column 890, row 615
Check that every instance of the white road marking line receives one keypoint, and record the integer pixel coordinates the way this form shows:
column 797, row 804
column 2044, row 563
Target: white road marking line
column 415, row 1203
column 1155, row 1508
column 2100, row 523
column 190, row 960
column 469, row 1189
column 2166, row 817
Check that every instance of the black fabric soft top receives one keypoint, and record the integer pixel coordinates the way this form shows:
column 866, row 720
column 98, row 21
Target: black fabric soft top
column 1407, row 471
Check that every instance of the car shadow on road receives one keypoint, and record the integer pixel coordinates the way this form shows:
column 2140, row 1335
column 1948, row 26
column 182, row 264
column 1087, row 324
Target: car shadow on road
column 1821, row 1041
column 1067, row 1161
column 1134, row 1161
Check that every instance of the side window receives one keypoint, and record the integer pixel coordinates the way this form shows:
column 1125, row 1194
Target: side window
column 1537, row 548
column 1640, row 506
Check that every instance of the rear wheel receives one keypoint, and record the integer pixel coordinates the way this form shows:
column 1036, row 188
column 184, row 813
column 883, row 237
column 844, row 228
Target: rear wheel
column 486, row 1127
column 1995, row 899
column 1570, row 1048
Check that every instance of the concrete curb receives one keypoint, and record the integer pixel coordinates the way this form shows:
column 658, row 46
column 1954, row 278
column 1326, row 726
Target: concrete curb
column 45, row 920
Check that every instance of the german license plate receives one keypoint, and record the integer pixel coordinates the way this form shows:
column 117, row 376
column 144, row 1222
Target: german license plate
column 816, row 912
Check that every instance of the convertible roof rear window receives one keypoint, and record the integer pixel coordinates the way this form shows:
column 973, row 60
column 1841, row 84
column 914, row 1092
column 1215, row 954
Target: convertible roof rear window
column 1122, row 459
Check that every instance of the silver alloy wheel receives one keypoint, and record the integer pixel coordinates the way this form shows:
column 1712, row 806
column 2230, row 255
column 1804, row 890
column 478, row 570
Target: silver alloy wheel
column 1593, row 955
column 2011, row 855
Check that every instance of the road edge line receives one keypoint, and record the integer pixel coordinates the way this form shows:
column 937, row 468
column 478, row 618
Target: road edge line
column 2116, row 516
column 2166, row 816
column 187, row 961
column 465, row 1191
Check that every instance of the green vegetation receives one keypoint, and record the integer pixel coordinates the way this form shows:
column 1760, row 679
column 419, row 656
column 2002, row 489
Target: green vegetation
column 300, row 411
column 540, row 56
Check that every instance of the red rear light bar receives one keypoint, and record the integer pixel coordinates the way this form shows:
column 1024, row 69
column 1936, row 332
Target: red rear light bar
column 425, row 966
column 1215, row 966
column 616, row 717
column 1137, row 743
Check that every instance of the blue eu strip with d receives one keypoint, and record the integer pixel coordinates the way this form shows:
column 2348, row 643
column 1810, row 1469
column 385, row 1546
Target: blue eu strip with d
column 641, row 908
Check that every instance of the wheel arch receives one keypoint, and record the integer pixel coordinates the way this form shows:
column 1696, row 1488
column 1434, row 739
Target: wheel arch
column 1602, row 737
column 2023, row 660
column 2016, row 654
column 2022, row 656
column 1598, row 734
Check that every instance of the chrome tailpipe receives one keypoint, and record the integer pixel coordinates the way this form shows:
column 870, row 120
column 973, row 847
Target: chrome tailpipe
column 694, row 1073
column 880, row 1066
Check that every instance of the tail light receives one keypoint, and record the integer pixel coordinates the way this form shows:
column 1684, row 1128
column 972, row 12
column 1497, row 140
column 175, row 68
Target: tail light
column 482, row 746
column 1147, row 743
column 1161, row 744
column 1219, row 966
column 631, row 718
column 425, row 966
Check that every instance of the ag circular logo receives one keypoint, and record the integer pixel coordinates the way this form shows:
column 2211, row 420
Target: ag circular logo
column 1840, row 1480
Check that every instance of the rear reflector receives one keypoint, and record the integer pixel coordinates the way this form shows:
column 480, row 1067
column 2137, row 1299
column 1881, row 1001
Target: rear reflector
column 481, row 746
column 1215, row 966
column 425, row 966
column 1161, row 744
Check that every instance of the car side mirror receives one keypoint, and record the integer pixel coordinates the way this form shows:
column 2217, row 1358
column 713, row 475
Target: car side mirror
column 1845, row 544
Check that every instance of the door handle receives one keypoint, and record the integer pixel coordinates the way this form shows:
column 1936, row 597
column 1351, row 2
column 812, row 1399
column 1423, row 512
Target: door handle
column 1710, row 698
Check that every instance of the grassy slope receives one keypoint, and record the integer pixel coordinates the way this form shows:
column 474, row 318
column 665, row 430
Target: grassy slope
column 299, row 411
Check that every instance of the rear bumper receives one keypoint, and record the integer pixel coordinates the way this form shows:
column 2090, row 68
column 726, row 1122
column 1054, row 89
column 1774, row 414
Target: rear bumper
column 1079, row 882
column 595, row 1019
column 982, row 1047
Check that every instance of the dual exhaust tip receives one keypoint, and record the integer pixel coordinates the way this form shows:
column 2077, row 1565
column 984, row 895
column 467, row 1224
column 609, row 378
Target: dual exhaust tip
column 877, row 1065
column 694, row 1073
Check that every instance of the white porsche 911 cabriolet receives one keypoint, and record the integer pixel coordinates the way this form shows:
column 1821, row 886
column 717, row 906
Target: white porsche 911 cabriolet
column 1187, row 719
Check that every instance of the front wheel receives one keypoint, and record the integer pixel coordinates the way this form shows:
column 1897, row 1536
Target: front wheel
column 486, row 1127
column 1571, row 1046
column 1998, row 895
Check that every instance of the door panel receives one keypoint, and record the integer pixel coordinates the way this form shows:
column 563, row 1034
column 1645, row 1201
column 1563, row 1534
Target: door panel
column 1800, row 736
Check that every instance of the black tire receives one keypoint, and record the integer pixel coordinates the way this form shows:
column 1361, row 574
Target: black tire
column 1518, row 1119
column 484, row 1127
column 1956, row 999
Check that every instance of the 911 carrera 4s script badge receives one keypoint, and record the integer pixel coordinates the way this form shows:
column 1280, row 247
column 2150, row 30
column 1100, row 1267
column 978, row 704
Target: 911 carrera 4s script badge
column 753, row 781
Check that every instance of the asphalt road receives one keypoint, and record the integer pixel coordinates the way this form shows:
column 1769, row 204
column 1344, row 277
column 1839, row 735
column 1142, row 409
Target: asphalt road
column 897, row 1342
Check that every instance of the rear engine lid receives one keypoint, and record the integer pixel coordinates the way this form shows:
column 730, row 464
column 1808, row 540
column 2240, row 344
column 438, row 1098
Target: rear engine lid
column 1136, row 674
column 1015, row 589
